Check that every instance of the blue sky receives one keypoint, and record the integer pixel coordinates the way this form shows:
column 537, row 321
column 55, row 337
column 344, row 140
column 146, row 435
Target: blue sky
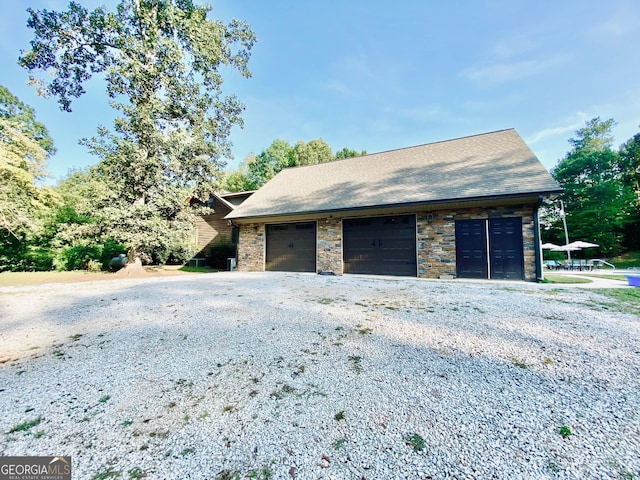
column 377, row 75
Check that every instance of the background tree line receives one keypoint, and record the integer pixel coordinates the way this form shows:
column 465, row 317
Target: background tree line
column 256, row 170
column 601, row 192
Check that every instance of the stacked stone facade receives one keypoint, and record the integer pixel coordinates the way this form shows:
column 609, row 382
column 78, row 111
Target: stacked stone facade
column 437, row 238
column 251, row 247
column 329, row 246
column 436, row 247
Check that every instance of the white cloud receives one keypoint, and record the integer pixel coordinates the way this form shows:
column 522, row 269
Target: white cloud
column 507, row 72
column 622, row 21
column 513, row 47
column 338, row 86
column 569, row 125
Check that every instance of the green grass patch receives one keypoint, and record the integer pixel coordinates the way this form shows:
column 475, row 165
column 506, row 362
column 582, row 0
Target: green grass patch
column 26, row 426
column 622, row 278
column 228, row 475
column 627, row 260
column 338, row 444
column 187, row 268
column 363, row 330
column 416, row 441
column 136, row 473
column 566, row 279
column 626, row 300
column 519, row 363
column 356, row 363
column 565, row 431
column 109, row 473
column 325, row 301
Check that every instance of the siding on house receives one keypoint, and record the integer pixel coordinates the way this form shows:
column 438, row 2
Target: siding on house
column 213, row 229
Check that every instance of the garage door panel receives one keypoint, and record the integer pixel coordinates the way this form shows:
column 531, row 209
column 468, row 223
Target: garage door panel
column 380, row 245
column 505, row 245
column 291, row 247
column 471, row 249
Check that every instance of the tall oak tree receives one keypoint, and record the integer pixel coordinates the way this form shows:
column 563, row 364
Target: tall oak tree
column 162, row 62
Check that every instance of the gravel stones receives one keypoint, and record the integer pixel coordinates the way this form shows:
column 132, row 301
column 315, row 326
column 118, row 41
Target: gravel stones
column 305, row 376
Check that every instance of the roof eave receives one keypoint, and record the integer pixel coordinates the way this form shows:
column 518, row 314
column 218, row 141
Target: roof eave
column 439, row 204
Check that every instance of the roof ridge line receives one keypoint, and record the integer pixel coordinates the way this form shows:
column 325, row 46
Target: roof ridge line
column 403, row 148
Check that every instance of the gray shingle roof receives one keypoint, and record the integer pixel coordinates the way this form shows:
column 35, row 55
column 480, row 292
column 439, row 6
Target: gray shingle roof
column 486, row 165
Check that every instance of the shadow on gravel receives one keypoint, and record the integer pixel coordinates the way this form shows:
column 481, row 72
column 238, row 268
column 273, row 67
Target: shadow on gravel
column 239, row 369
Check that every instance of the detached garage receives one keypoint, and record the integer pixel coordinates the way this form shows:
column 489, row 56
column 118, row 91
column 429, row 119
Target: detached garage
column 462, row 208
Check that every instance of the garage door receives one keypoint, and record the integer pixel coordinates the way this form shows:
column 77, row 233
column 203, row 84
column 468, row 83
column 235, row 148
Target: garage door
column 490, row 248
column 291, row 247
column 471, row 249
column 506, row 248
column 380, row 245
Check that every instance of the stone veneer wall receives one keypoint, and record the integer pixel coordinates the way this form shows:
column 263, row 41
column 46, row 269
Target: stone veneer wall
column 329, row 246
column 251, row 245
column 436, row 241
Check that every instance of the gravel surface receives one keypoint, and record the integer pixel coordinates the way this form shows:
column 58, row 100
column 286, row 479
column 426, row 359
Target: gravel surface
column 239, row 375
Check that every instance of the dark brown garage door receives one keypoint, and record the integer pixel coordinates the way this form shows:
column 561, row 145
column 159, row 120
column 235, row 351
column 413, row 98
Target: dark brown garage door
column 490, row 248
column 291, row 247
column 380, row 245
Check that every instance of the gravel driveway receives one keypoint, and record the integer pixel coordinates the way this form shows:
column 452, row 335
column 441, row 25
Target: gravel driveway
column 239, row 375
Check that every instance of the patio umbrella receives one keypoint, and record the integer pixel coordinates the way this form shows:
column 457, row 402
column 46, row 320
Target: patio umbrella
column 581, row 244
column 566, row 248
column 549, row 246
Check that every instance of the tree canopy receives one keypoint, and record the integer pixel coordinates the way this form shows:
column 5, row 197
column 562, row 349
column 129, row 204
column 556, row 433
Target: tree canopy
column 599, row 202
column 161, row 61
column 256, row 170
column 24, row 148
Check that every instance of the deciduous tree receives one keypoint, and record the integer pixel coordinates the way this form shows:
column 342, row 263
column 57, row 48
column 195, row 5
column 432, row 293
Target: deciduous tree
column 597, row 200
column 256, row 170
column 162, row 62
column 25, row 145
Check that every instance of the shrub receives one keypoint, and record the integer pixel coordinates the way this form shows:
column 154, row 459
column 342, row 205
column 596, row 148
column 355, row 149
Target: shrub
column 94, row 266
column 110, row 249
column 77, row 257
column 18, row 255
column 218, row 255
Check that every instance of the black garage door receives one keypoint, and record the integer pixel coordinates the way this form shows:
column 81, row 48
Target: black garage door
column 471, row 249
column 291, row 247
column 506, row 248
column 500, row 239
column 380, row 245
